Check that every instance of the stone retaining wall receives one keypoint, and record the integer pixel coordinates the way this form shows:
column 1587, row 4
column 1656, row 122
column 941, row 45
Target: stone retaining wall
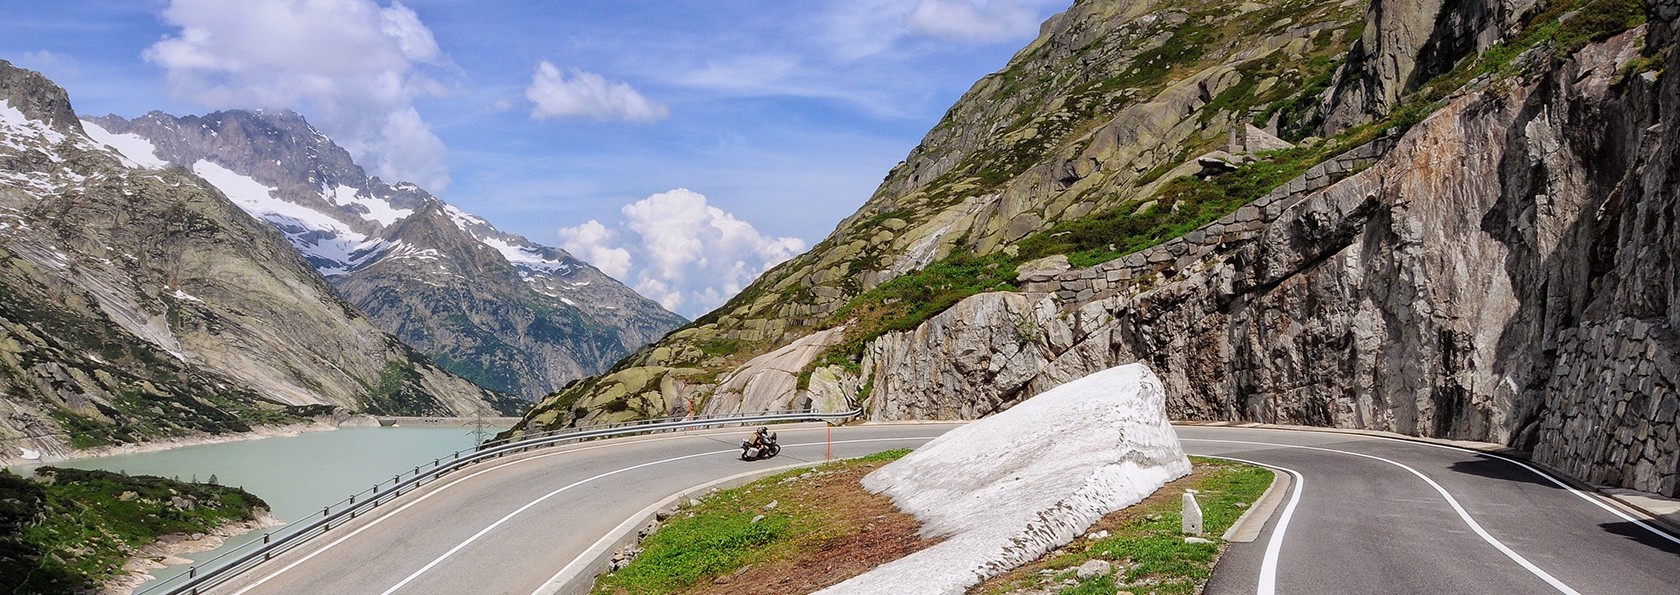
column 1610, row 408
column 1084, row 285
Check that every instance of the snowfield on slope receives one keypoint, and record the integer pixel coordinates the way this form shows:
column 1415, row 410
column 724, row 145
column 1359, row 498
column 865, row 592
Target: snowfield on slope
column 1008, row 488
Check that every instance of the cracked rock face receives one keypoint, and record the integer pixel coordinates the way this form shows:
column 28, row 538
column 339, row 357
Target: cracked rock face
column 1405, row 44
column 1504, row 273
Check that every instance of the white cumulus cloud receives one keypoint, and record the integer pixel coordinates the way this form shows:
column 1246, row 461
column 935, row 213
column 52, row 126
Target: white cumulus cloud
column 691, row 256
column 353, row 66
column 974, row 20
column 593, row 243
column 859, row 28
column 586, row 94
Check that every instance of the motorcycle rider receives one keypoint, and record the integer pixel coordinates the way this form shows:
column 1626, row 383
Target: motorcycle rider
column 758, row 437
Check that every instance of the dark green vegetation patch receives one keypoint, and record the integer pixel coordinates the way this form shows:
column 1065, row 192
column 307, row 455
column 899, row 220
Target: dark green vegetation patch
column 74, row 531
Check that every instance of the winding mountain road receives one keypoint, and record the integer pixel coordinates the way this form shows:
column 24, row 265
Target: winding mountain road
column 1380, row 515
column 1364, row 515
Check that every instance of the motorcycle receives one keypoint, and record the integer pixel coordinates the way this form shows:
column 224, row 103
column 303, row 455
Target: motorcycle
column 768, row 448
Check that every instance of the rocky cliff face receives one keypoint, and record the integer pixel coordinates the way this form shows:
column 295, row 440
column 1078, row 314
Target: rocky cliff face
column 505, row 312
column 1407, row 44
column 1504, row 272
column 139, row 302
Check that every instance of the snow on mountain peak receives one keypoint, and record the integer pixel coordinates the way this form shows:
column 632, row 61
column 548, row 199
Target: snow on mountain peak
column 523, row 254
column 464, row 220
column 375, row 209
column 133, row 148
column 334, row 247
column 18, row 124
column 527, row 257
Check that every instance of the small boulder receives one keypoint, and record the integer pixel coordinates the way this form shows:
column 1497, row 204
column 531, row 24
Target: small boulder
column 1043, row 268
column 1093, row 569
column 1217, row 162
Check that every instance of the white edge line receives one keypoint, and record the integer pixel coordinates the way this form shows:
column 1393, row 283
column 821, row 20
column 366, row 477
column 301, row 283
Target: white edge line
column 509, row 516
column 576, row 567
column 1243, row 530
column 1453, row 502
column 1559, row 483
column 422, row 498
column 1267, row 584
column 1595, row 500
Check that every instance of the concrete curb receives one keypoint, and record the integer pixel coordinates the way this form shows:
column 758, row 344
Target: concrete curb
column 1248, row 526
column 578, row 577
column 1658, row 510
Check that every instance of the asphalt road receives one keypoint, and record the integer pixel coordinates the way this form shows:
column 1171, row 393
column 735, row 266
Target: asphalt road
column 511, row 525
column 1378, row 515
column 1370, row 515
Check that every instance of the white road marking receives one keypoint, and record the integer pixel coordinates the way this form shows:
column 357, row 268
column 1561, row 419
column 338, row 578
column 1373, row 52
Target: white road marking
column 1555, row 481
column 1274, row 547
column 1462, row 514
column 528, row 506
column 510, row 515
column 423, row 498
column 552, row 585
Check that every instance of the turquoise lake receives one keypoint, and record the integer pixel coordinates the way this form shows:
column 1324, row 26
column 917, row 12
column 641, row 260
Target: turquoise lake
column 296, row 475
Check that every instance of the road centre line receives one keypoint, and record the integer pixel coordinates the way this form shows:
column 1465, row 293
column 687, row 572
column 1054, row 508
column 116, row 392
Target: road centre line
column 1559, row 483
column 510, row 515
column 1462, row 514
column 423, row 497
column 1267, row 584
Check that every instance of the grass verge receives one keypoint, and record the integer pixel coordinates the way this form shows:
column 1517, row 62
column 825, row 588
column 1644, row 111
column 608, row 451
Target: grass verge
column 803, row 530
column 794, row 532
column 1143, row 541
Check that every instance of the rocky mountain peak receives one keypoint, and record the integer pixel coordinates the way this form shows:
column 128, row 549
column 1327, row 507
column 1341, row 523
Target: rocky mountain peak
column 138, row 301
column 37, row 98
column 432, row 234
column 445, row 281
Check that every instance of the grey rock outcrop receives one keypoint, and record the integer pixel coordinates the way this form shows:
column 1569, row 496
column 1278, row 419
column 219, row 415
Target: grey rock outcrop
column 1504, row 270
column 1405, row 44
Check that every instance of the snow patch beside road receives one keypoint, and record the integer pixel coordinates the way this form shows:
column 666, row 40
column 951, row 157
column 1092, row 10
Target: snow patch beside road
column 1006, row 489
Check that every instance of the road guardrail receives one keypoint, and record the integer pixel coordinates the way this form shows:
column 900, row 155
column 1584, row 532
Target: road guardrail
column 228, row 565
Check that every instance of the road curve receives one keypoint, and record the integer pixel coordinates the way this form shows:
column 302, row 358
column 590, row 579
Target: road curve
column 1370, row 515
column 1381, row 515
column 507, row 526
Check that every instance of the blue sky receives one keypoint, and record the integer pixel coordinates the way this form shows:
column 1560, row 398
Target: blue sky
column 681, row 146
